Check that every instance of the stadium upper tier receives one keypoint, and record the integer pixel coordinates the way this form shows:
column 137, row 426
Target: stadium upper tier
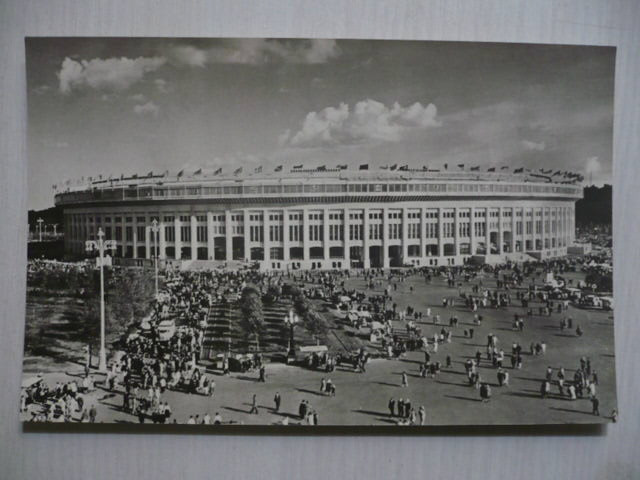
column 301, row 184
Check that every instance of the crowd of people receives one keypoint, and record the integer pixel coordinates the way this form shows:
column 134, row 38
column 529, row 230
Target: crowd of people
column 148, row 362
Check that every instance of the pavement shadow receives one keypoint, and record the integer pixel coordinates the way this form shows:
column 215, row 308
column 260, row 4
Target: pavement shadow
column 371, row 412
column 464, row 398
column 588, row 412
column 239, row 410
column 312, row 392
column 387, row 384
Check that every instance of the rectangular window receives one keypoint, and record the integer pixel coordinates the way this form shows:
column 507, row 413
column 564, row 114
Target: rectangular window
column 141, row 234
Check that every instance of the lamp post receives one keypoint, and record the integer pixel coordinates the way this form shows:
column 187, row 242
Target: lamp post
column 155, row 230
column 40, row 228
column 291, row 321
column 100, row 245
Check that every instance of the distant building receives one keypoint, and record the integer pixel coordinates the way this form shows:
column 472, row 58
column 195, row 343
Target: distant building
column 330, row 219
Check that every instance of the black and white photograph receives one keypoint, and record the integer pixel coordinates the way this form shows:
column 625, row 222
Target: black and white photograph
column 318, row 232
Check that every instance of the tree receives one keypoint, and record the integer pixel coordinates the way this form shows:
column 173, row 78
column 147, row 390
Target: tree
column 252, row 314
column 130, row 296
column 315, row 324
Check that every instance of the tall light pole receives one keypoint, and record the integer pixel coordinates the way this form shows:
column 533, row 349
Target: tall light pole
column 100, row 245
column 40, row 227
column 155, row 230
column 291, row 321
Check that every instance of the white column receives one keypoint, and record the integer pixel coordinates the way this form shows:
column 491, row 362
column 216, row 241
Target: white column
column 162, row 242
column 533, row 228
column 405, row 235
column 513, row 230
column 266, row 244
column 385, row 238
column 177, row 226
column 194, row 238
column 543, row 229
column 210, row 237
column 365, row 239
column 440, row 232
column 325, row 234
column 285, row 235
column 305, row 234
column 487, row 234
column 456, row 231
column 346, row 239
column 134, row 227
column 423, row 232
column 472, row 231
column 500, row 233
column 147, row 242
column 247, row 235
column 228, row 235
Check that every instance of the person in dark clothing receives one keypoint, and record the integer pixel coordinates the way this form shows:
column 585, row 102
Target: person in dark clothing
column 392, row 407
column 277, row 399
column 595, row 403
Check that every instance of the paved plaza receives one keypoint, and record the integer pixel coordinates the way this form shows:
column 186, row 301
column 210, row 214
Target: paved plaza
column 362, row 398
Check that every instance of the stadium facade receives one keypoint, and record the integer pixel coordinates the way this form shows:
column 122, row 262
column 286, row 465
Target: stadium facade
column 330, row 219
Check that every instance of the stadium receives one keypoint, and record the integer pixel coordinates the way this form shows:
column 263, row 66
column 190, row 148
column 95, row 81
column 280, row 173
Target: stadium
column 326, row 218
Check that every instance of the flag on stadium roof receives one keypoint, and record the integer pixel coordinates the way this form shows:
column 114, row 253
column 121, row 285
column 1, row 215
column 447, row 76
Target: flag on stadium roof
column 446, row 166
column 297, row 167
column 475, row 169
column 150, row 174
column 218, row 171
column 198, row 172
column 258, row 169
column 492, row 169
column 384, row 167
column 237, row 171
column 505, row 167
column 519, row 170
column 393, row 167
column 278, row 168
column 343, row 167
column 322, row 168
column 135, row 175
column 364, row 166
column 461, row 166
column 403, row 168
column 180, row 173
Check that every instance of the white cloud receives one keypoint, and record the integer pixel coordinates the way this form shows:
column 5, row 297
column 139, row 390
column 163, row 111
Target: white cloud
column 255, row 51
column 162, row 85
column 148, row 108
column 189, row 56
column 370, row 121
column 105, row 74
column 138, row 97
column 538, row 146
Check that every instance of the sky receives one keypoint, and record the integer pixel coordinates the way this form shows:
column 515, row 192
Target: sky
column 112, row 106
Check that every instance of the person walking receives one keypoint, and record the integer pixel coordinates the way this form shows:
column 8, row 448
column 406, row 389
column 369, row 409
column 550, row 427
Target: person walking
column 277, row 399
column 423, row 414
column 392, row 407
column 595, row 403
column 405, row 379
column 254, row 405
